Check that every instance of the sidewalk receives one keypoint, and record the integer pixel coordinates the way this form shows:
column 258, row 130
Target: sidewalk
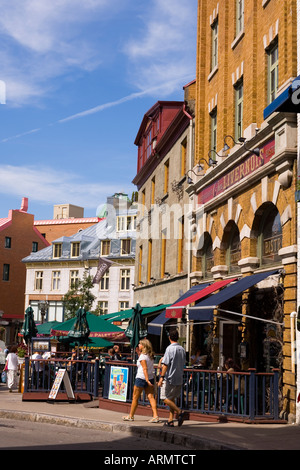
column 194, row 435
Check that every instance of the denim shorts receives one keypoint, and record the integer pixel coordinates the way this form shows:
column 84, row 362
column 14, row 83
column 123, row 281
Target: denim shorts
column 142, row 383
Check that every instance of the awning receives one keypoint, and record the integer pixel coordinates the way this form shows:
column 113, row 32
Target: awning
column 286, row 102
column 203, row 314
column 126, row 314
column 154, row 327
column 175, row 311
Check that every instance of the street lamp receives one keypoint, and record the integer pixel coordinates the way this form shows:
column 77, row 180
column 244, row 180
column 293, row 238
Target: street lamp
column 241, row 141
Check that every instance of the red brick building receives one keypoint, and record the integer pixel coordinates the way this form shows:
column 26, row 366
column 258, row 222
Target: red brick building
column 18, row 238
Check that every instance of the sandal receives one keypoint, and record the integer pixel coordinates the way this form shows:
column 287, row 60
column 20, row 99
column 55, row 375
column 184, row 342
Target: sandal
column 128, row 418
column 169, row 424
column 180, row 419
column 154, row 420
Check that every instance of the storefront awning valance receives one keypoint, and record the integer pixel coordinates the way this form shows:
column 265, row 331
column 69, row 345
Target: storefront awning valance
column 127, row 314
column 206, row 314
column 175, row 311
column 288, row 101
column 154, row 328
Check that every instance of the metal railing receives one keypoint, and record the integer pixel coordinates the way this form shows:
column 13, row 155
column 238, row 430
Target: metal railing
column 248, row 394
column 39, row 375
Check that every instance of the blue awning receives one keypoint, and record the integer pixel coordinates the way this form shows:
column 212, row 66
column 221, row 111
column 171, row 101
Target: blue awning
column 226, row 294
column 154, row 327
column 284, row 102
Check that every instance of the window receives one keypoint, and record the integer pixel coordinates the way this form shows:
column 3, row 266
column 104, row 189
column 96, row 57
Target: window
column 7, row 242
column 239, row 16
column 38, row 280
column 270, row 238
column 163, row 255
column 125, row 279
column 5, row 272
column 57, row 249
column 104, row 281
column 126, row 246
column 140, row 261
column 206, row 257
column 55, row 280
column 75, row 249
column 214, row 45
column 213, row 130
column 149, row 143
column 103, row 307
column 74, row 279
column 149, row 260
column 234, row 250
column 153, row 190
column 183, row 158
column 166, row 177
column 239, row 100
column 105, row 247
column 273, row 73
column 35, row 246
column 123, row 305
column 120, row 224
column 180, row 245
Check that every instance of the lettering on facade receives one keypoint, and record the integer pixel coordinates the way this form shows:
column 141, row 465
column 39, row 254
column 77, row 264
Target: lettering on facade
column 238, row 173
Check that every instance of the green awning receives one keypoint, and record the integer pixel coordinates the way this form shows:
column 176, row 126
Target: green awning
column 45, row 328
column 126, row 314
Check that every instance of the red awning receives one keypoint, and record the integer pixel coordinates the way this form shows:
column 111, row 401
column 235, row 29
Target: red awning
column 176, row 312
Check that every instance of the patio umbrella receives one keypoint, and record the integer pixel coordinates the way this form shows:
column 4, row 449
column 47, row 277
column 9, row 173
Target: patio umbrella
column 136, row 329
column 79, row 331
column 29, row 329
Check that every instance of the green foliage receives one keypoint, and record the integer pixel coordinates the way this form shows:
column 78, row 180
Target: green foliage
column 79, row 296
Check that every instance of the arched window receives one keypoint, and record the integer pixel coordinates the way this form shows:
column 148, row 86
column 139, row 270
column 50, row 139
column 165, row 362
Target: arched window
column 270, row 237
column 233, row 249
column 207, row 256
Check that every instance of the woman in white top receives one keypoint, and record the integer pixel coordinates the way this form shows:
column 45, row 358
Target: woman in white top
column 12, row 366
column 144, row 380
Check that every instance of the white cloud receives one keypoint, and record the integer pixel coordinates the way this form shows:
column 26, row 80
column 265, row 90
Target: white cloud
column 45, row 185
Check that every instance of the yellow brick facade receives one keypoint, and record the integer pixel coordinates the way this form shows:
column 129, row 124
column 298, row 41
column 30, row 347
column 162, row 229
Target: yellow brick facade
column 243, row 204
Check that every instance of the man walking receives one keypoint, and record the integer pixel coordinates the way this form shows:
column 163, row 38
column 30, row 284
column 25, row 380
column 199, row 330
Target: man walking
column 171, row 377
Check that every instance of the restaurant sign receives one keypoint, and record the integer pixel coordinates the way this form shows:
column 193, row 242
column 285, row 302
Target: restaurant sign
column 238, row 173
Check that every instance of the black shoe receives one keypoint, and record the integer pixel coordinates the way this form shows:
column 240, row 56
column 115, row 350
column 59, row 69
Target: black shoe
column 180, row 419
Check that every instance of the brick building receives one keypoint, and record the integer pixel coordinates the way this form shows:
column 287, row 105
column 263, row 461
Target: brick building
column 244, row 208
column 18, row 238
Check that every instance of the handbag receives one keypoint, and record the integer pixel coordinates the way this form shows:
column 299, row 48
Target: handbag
column 3, row 377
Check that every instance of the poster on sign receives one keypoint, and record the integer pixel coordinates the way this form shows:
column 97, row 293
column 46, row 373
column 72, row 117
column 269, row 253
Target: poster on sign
column 118, row 383
column 61, row 376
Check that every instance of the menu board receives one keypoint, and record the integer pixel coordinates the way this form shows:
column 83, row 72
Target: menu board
column 61, row 376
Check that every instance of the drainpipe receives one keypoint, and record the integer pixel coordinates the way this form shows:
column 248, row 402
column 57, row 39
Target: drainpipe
column 297, row 333
column 293, row 319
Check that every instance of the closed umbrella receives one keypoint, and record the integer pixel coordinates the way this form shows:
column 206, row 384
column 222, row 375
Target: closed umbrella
column 29, row 329
column 136, row 329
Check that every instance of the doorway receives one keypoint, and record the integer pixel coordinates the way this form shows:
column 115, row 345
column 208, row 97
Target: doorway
column 228, row 341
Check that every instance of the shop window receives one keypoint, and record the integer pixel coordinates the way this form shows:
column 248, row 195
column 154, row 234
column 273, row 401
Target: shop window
column 206, row 257
column 270, row 237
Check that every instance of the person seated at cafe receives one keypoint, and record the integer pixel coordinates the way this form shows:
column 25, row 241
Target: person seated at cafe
column 198, row 360
column 117, row 355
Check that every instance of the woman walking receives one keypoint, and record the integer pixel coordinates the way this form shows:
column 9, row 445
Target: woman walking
column 12, row 367
column 144, row 380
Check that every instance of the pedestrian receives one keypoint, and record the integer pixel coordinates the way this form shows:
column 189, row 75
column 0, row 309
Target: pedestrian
column 12, row 366
column 171, row 378
column 144, row 380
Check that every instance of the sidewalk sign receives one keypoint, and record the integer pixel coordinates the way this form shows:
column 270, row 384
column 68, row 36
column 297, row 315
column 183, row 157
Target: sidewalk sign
column 62, row 375
column 118, row 383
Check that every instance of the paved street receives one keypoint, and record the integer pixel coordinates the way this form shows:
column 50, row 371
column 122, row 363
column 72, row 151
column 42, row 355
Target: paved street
column 16, row 435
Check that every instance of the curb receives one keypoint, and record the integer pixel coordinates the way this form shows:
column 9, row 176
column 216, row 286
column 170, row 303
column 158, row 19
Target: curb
column 163, row 435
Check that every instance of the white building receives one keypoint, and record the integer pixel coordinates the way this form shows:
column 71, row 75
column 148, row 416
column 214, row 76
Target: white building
column 51, row 272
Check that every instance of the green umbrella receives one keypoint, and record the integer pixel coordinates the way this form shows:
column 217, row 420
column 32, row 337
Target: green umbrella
column 79, row 331
column 136, row 329
column 29, row 329
column 45, row 328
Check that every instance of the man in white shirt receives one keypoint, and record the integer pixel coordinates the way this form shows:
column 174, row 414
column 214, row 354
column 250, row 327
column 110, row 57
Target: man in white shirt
column 12, row 366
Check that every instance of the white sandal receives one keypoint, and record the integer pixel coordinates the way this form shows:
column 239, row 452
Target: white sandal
column 127, row 418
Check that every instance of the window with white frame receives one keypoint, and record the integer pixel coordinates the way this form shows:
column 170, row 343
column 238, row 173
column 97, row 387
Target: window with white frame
column 239, row 16
column 239, row 102
column 103, row 307
column 123, row 305
column 105, row 247
column 57, row 250
column 213, row 130
column 55, row 280
column 74, row 278
column 104, row 282
column 214, row 45
column 273, row 63
column 126, row 246
column 38, row 282
column 75, row 249
column 125, row 279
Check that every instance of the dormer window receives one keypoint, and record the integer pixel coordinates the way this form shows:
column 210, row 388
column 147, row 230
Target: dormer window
column 75, row 249
column 57, row 250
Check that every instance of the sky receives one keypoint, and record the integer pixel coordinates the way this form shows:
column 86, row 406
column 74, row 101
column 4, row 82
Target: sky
column 76, row 78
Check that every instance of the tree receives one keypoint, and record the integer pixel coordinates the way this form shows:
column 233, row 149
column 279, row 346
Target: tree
column 79, row 296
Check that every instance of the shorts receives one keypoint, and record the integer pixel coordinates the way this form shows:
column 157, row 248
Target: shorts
column 169, row 391
column 142, row 383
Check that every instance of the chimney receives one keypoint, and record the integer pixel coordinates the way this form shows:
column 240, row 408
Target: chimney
column 24, row 206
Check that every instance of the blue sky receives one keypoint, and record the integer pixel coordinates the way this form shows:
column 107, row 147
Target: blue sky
column 79, row 77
